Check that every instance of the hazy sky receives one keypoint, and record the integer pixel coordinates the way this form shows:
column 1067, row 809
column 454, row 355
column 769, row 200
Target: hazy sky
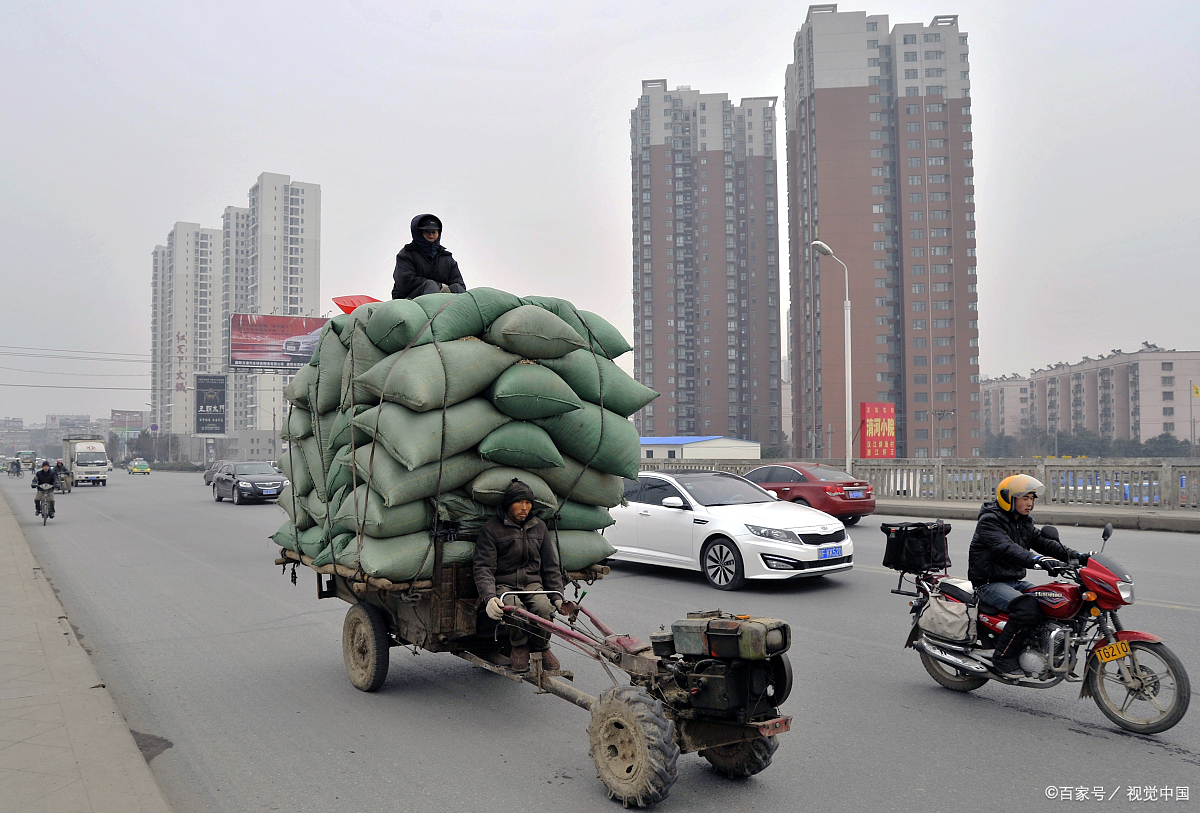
column 510, row 121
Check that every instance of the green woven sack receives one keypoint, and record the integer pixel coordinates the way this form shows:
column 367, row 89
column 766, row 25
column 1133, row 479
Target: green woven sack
column 466, row 314
column 489, row 487
column 296, row 508
column 359, row 316
column 602, row 337
column 297, row 425
column 317, row 509
column 362, row 357
column 418, row 438
column 608, row 441
column 585, row 372
column 522, row 445
column 312, row 541
column 315, row 464
column 458, row 507
column 338, row 323
column 605, row 338
column 296, row 392
column 402, row 558
column 332, row 361
column 398, row 323
column 528, row 390
column 533, row 333
column 398, row 485
column 335, row 551
column 365, row 507
column 285, row 537
column 590, row 487
column 575, row 516
column 295, row 468
column 578, row 549
column 423, row 377
column 324, row 431
column 342, row 433
column 341, row 472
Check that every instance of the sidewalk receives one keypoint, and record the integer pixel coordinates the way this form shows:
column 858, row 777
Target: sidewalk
column 64, row 746
column 1129, row 519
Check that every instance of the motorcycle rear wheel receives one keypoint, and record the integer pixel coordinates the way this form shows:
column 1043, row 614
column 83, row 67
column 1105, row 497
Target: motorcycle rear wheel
column 950, row 677
column 1159, row 698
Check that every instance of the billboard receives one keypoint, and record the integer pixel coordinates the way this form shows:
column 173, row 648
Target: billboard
column 128, row 420
column 68, row 421
column 210, row 405
column 877, row 430
column 272, row 344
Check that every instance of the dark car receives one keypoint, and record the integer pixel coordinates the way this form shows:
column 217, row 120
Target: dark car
column 247, row 482
column 824, row 488
column 210, row 471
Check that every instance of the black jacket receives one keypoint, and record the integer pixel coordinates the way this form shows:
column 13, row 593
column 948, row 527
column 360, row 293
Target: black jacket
column 515, row 556
column 418, row 274
column 43, row 478
column 1000, row 549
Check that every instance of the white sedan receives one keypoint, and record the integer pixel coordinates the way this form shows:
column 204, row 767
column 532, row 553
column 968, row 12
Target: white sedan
column 726, row 527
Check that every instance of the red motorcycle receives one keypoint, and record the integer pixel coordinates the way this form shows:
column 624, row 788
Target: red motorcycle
column 1133, row 677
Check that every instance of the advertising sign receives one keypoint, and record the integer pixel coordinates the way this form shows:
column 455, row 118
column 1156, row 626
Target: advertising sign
column 68, row 421
column 210, row 405
column 877, row 434
column 128, row 419
column 272, row 344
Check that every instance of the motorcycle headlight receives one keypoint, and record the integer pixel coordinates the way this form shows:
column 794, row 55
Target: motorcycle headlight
column 776, row 534
column 1126, row 591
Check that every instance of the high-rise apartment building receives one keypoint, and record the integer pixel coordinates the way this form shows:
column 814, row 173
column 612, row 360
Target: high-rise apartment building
column 878, row 129
column 265, row 258
column 706, row 279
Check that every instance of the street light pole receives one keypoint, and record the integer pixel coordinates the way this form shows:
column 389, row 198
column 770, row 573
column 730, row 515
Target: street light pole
column 939, row 414
column 821, row 248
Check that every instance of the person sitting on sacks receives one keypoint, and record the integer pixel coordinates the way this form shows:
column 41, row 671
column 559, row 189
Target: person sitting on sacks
column 424, row 266
column 515, row 552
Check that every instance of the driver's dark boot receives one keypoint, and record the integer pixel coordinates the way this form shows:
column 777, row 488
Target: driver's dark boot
column 1008, row 649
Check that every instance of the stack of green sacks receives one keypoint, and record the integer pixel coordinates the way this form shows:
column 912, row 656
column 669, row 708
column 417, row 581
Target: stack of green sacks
column 419, row 410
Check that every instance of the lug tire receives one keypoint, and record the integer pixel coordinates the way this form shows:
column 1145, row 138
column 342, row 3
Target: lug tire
column 950, row 677
column 1156, row 666
column 848, row 521
column 216, row 495
column 365, row 647
column 722, row 564
column 742, row 759
column 633, row 746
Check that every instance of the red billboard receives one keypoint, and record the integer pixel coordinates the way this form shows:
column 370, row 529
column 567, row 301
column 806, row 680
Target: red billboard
column 877, row 430
column 275, row 344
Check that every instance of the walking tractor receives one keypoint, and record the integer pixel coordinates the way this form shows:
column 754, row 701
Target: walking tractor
column 712, row 684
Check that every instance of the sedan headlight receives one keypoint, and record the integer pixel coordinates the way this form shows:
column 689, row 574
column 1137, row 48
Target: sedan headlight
column 244, row 484
column 776, row 534
column 286, row 483
column 1126, row 590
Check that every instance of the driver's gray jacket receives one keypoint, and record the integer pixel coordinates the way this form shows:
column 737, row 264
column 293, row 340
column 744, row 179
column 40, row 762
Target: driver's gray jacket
column 515, row 556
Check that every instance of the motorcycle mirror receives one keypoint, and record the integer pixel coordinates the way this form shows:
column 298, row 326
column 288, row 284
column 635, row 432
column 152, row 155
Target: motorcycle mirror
column 1050, row 532
column 1108, row 529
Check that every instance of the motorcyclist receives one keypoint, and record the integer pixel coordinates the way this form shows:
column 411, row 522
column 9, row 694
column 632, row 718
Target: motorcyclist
column 44, row 477
column 1002, row 548
column 514, row 552
column 424, row 266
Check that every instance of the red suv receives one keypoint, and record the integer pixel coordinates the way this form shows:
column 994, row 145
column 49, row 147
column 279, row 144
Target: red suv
column 826, row 489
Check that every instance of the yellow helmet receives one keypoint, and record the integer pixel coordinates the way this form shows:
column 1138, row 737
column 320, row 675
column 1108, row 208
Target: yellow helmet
column 1017, row 485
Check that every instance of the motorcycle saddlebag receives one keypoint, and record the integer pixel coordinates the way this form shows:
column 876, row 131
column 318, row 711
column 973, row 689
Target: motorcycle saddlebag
column 948, row 620
column 916, row 547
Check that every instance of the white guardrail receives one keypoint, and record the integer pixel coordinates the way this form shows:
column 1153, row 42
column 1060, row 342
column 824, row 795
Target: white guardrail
column 1115, row 482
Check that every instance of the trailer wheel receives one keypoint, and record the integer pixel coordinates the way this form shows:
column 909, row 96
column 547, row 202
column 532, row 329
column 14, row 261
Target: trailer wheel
column 633, row 746
column 742, row 759
column 365, row 647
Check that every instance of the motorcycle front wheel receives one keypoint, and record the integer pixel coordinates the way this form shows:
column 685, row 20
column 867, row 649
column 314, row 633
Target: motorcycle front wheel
column 1154, row 698
column 950, row 677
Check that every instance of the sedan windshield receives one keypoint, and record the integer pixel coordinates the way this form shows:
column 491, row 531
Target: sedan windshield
column 721, row 489
column 254, row 468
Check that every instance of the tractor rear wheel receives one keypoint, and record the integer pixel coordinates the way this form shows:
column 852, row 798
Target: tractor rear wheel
column 633, row 746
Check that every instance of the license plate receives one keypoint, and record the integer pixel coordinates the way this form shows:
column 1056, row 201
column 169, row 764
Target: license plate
column 830, row 553
column 268, row 491
column 1113, row 652
column 854, row 495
